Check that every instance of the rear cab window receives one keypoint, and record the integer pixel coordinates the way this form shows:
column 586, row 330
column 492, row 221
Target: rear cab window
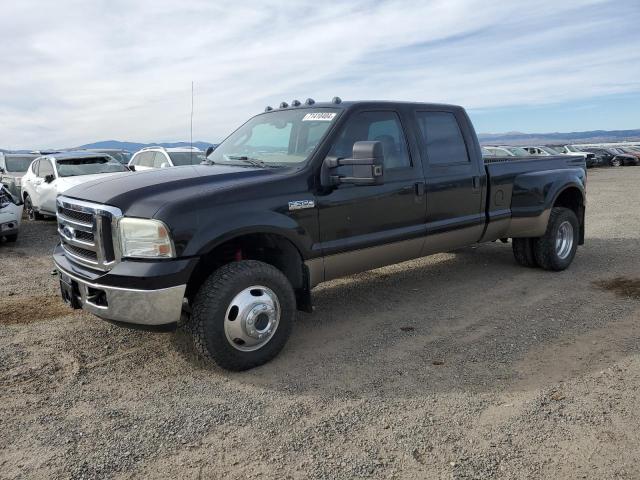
column 441, row 138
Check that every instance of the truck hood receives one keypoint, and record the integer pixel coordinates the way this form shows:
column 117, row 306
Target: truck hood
column 65, row 183
column 142, row 194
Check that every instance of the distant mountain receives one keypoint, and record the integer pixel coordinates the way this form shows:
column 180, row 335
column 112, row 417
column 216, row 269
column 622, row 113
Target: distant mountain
column 135, row 146
column 594, row 136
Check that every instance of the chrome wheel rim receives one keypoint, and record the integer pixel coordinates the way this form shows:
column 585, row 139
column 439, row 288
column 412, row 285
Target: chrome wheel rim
column 564, row 240
column 252, row 318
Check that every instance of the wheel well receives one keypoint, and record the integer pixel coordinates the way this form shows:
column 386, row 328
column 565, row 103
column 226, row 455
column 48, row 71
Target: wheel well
column 270, row 248
column 572, row 199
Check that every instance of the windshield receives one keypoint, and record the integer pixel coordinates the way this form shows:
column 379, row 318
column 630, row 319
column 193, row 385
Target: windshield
column 276, row 139
column 186, row 158
column 71, row 167
column 18, row 163
column 519, row 151
column 571, row 148
column 121, row 157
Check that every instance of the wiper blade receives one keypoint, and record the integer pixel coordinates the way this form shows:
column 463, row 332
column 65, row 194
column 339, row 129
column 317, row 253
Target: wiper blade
column 251, row 161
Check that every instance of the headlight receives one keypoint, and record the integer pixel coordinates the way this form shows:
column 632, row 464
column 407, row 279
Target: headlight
column 144, row 238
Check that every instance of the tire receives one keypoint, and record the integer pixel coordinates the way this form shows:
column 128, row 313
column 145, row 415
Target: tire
column 556, row 249
column 523, row 252
column 234, row 302
column 12, row 238
column 615, row 162
column 29, row 209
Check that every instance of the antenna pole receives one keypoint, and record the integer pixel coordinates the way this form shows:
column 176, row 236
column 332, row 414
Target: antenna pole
column 191, row 142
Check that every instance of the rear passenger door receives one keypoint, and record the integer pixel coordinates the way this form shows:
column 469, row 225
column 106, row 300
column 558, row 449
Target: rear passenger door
column 455, row 213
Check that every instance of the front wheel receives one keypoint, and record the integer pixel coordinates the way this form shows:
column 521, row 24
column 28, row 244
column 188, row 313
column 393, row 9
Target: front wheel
column 31, row 212
column 242, row 314
column 556, row 249
column 616, row 162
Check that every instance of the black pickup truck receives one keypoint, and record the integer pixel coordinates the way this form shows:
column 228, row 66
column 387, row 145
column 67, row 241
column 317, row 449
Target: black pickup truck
column 296, row 196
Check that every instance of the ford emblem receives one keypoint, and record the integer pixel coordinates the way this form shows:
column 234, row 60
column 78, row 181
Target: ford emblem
column 68, row 231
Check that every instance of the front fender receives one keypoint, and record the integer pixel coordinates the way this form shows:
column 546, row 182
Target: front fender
column 226, row 227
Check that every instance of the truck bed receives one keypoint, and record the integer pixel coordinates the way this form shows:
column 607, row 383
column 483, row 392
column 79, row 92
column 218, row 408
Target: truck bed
column 518, row 191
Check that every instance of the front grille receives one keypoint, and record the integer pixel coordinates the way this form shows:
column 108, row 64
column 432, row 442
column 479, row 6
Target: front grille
column 81, row 252
column 86, row 231
column 76, row 215
column 86, row 236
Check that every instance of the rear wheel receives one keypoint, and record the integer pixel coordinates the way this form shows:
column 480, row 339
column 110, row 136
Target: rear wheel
column 523, row 251
column 243, row 314
column 556, row 249
column 616, row 162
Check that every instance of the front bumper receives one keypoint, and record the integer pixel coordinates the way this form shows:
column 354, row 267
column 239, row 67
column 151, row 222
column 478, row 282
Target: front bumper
column 134, row 292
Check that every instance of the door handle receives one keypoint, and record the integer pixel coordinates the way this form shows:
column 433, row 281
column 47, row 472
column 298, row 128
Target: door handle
column 420, row 188
column 475, row 182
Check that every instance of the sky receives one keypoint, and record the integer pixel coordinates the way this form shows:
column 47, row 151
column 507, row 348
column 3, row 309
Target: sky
column 74, row 72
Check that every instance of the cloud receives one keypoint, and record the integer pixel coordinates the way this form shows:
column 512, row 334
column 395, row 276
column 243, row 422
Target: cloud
column 76, row 71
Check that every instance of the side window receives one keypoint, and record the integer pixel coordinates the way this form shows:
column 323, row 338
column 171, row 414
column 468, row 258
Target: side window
column 144, row 159
column 442, row 138
column 384, row 127
column 158, row 159
column 45, row 168
column 34, row 167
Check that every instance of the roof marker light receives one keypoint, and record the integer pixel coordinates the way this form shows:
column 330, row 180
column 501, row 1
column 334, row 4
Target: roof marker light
column 336, row 100
column 268, row 108
column 295, row 103
column 284, row 105
column 309, row 101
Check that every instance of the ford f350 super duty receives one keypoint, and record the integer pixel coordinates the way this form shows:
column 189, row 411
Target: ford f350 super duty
column 296, row 196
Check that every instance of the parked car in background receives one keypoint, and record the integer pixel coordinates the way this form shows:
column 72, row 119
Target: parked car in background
column 10, row 214
column 161, row 157
column 13, row 166
column 542, row 151
column 506, row 151
column 630, row 151
column 50, row 175
column 589, row 157
column 612, row 156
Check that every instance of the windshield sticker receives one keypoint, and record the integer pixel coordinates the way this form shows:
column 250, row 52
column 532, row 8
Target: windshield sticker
column 319, row 117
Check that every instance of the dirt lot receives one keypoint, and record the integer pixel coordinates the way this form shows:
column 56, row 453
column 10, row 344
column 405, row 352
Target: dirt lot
column 461, row 365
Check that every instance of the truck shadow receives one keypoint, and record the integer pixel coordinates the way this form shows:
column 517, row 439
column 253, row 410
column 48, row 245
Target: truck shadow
column 470, row 321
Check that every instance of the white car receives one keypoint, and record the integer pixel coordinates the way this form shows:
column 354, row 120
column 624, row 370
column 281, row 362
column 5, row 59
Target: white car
column 160, row 157
column 50, row 175
column 10, row 215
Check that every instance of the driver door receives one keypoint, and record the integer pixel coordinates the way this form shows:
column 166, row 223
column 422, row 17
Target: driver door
column 365, row 227
column 46, row 191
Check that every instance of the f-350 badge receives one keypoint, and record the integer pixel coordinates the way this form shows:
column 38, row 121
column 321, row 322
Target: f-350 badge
column 301, row 204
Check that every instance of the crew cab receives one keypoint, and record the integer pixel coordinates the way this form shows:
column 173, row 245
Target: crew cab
column 52, row 174
column 297, row 196
column 161, row 157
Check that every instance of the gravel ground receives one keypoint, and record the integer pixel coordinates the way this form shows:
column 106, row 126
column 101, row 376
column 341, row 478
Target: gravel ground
column 460, row 365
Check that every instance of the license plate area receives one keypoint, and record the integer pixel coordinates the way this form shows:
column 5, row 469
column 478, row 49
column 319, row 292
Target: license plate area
column 69, row 291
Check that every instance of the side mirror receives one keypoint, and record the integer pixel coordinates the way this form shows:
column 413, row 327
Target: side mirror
column 209, row 150
column 366, row 167
column 49, row 178
column 164, row 164
column 1, row 170
column 131, row 167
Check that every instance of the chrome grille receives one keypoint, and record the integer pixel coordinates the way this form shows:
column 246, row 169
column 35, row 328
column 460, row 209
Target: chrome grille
column 87, row 232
